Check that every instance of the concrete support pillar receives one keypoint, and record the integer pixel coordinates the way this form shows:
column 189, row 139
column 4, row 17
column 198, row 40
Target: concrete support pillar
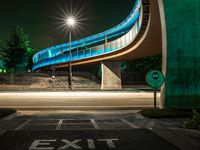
column 164, row 50
column 111, row 75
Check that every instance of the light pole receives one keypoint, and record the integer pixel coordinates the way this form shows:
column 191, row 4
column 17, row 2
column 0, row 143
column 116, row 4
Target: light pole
column 70, row 22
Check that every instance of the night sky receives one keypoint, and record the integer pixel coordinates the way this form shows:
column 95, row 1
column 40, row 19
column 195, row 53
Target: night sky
column 39, row 18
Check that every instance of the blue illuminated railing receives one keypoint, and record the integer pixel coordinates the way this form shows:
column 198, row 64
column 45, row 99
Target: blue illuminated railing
column 55, row 55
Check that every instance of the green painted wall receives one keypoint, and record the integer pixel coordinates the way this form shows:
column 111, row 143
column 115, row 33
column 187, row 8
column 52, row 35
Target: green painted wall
column 183, row 53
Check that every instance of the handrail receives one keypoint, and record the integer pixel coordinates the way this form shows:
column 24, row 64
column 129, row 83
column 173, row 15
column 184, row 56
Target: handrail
column 102, row 49
column 113, row 32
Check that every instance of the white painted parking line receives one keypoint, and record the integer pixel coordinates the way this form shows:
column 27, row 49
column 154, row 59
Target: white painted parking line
column 59, row 124
column 150, row 125
column 9, row 117
column 95, row 124
column 139, row 116
column 22, row 125
column 130, row 124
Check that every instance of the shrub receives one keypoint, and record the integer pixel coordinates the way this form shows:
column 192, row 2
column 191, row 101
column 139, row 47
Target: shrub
column 194, row 122
column 166, row 113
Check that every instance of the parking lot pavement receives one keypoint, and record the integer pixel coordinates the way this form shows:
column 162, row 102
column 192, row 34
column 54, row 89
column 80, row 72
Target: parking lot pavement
column 66, row 124
column 67, row 121
column 73, row 121
column 137, row 139
column 48, row 129
column 84, row 124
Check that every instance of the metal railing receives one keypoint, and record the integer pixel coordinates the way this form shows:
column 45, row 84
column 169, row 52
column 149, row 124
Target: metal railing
column 113, row 32
column 48, row 80
column 97, row 50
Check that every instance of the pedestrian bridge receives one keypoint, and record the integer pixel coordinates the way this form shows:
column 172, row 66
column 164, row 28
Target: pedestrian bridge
column 139, row 35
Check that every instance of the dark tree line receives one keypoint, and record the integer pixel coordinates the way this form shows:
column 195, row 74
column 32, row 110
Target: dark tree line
column 16, row 51
column 144, row 64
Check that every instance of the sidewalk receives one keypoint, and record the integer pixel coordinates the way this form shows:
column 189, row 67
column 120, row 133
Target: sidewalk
column 88, row 100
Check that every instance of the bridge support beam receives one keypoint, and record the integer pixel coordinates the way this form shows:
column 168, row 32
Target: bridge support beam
column 111, row 75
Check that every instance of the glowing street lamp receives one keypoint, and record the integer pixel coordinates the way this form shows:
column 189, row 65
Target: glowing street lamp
column 71, row 23
column 70, row 19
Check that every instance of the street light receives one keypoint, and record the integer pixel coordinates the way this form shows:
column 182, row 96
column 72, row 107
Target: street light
column 70, row 22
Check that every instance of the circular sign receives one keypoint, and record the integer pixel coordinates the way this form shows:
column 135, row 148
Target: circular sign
column 155, row 79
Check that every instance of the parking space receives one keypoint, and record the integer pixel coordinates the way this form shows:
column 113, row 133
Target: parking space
column 61, row 121
column 66, row 124
column 77, row 123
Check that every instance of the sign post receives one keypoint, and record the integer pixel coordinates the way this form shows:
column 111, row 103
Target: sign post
column 155, row 80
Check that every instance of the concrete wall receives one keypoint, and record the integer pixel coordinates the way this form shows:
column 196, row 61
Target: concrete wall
column 182, row 87
column 111, row 75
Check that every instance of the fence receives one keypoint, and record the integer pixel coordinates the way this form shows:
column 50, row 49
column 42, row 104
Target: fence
column 59, row 80
column 48, row 80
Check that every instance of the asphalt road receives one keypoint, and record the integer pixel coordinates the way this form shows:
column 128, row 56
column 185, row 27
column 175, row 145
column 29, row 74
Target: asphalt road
column 76, row 100
column 135, row 139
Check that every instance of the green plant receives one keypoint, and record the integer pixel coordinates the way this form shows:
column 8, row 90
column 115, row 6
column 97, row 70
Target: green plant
column 166, row 113
column 194, row 122
column 144, row 64
column 16, row 52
